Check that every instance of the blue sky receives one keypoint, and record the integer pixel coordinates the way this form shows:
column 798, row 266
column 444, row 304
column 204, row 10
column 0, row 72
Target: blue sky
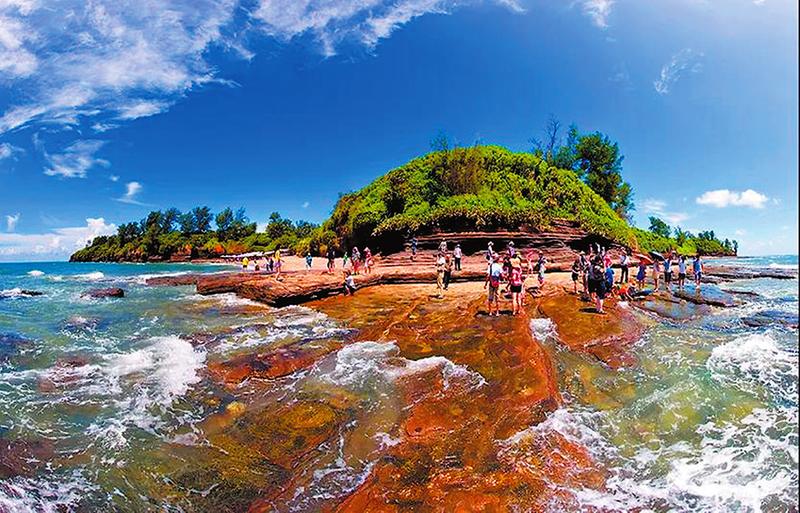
column 109, row 109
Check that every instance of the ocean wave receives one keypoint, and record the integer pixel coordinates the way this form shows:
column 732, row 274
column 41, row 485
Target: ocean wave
column 543, row 328
column 50, row 495
column 756, row 360
column 16, row 292
column 35, row 273
column 92, row 276
column 362, row 364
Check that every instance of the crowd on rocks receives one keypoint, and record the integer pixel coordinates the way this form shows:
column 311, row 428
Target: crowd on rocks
column 592, row 272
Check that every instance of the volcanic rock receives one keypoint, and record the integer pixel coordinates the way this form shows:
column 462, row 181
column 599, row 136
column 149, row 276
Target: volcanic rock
column 103, row 293
column 771, row 318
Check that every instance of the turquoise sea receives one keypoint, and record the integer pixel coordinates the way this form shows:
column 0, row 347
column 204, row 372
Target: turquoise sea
column 97, row 390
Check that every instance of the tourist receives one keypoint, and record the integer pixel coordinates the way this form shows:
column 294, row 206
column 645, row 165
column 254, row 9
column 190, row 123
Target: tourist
column 256, row 267
column 516, row 264
column 490, row 252
column 668, row 272
column 530, row 257
column 681, row 271
column 270, row 264
column 541, row 266
column 367, row 260
column 457, row 257
column 413, row 247
column 609, row 276
column 576, row 273
column 448, row 270
column 494, row 275
column 599, row 284
column 606, row 258
column 309, row 260
column 623, row 267
column 515, row 281
column 585, row 271
column 443, row 247
column 656, row 273
column 355, row 258
column 510, row 249
column 641, row 274
column 331, row 255
column 697, row 268
column 440, row 268
column 245, row 263
column 278, row 264
column 507, row 272
column 349, row 283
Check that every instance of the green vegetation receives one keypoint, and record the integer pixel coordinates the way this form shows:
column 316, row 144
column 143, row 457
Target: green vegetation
column 175, row 235
column 450, row 189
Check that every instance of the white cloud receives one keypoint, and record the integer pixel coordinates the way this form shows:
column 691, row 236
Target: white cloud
column 687, row 60
column 740, row 232
column 722, row 198
column 74, row 59
column 114, row 178
column 333, row 22
column 75, row 160
column 8, row 150
column 306, row 204
column 57, row 244
column 132, row 190
column 598, row 11
column 11, row 222
column 659, row 208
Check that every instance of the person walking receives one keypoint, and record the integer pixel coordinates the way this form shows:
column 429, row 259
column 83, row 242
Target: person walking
column 448, row 271
column 697, row 269
column 681, row 271
column 440, row 270
column 413, row 248
column 541, row 266
column 331, row 255
column 624, row 261
column 457, row 257
column 367, row 260
column 494, row 275
column 355, row 258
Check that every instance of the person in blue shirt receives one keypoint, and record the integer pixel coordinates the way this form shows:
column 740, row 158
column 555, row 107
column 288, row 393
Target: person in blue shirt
column 609, row 277
column 697, row 268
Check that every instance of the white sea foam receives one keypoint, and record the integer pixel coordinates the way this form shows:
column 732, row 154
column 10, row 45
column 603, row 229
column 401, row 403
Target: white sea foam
column 543, row 328
column 43, row 495
column 35, row 273
column 756, row 360
column 364, row 363
column 16, row 292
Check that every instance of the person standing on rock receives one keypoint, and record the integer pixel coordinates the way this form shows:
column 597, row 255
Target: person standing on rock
column 624, row 261
column 443, row 247
column 278, row 264
column 641, row 274
column 541, row 266
column 441, row 264
column 355, row 257
column 331, row 255
column 309, row 261
column 494, row 275
column 599, row 284
column 681, row 271
column 697, row 268
column 448, row 271
column 584, row 272
column 576, row 273
column 457, row 257
column 367, row 260
column 490, row 252
column 656, row 273
column 515, row 284
column 345, row 258
column 668, row 272
column 413, row 248
column 510, row 249
column 349, row 283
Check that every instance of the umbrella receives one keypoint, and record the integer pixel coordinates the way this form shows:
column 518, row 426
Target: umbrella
column 656, row 255
column 644, row 258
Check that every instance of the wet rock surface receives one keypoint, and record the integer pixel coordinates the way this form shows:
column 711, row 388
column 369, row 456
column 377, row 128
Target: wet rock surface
column 11, row 344
column 22, row 457
column 741, row 273
column 112, row 292
column 706, row 295
column 670, row 307
column 771, row 318
column 581, row 329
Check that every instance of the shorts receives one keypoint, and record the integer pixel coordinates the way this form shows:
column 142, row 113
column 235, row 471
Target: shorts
column 668, row 276
column 600, row 289
column 574, row 276
column 681, row 276
column 541, row 279
column 593, row 286
column 493, row 294
column 698, row 275
column 640, row 277
column 516, row 288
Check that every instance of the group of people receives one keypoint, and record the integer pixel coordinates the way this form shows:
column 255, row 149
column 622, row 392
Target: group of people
column 511, row 269
column 596, row 273
column 270, row 264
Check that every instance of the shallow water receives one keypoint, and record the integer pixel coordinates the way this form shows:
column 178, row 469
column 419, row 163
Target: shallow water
column 708, row 420
column 136, row 403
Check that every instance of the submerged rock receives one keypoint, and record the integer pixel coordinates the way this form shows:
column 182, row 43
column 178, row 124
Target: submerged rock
column 670, row 307
column 741, row 273
column 10, row 344
column 19, row 293
column 583, row 330
column 706, row 295
column 103, row 293
column 23, row 457
column 771, row 318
